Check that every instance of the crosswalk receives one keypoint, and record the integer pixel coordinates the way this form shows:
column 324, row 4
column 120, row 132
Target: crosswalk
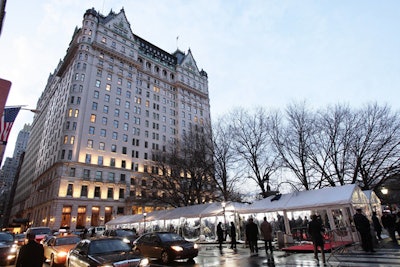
column 382, row 257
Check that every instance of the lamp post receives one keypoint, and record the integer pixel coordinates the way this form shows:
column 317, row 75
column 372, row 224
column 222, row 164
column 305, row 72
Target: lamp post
column 223, row 204
column 144, row 222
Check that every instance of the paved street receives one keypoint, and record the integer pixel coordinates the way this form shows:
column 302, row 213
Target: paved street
column 388, row 254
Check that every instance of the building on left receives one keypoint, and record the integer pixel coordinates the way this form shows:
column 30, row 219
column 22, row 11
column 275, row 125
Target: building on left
column 112, row 102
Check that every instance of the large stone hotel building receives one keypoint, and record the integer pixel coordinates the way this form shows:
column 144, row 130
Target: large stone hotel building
column 110, row 102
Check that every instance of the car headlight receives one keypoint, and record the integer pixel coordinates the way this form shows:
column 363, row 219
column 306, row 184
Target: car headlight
column 126, row 240
column 177, row 248
column 62, row 254
column 13, row 249
column 195, row 246
column 144, row 262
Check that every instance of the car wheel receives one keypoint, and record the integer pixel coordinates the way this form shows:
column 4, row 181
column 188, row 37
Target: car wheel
column 52, row 263
column 190, row 260
column 165, row 257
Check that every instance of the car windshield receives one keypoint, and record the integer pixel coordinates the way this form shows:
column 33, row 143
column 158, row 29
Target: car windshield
column 6, row 237
column 67, row 241
column 105, row 246
column 168, row 237
column 124, row 233
column 41, row 231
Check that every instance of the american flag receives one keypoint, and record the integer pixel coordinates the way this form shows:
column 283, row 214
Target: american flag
column 7, row 121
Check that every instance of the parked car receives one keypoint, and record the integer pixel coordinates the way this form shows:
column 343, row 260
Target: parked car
column 102, row 251
column 19, row 239
column 98, row 230
column 126, row 235
column 40, row 232
column 165, row 246
column 8, row 249
column 57, row 247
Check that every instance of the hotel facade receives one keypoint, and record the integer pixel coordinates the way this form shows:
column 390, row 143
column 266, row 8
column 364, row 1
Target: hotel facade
column 113, row 100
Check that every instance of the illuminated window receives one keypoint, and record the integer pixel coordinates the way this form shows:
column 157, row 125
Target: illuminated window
column 76, row 113
column 70, row 111
column 108, row 87
column 65, row 139
column 72, row 140
column 93, row 118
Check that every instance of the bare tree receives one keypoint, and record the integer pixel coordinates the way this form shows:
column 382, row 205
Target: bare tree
column 225, row 159
column 293, row 140
column 332, row 144
column 376, row 146
column 185, row 173
column 253, row 145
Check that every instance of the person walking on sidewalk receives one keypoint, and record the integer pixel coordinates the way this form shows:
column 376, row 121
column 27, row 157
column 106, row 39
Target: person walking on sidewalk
column 315, row 229
column 220, row 235
column 252, row 236
column 363, row 227
column 233, row 235
column 266, row 231
column 388, row 222
column 377, row 225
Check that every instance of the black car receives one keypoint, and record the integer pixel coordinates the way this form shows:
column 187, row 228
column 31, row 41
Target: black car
column 8, row 249
column 125, row 235
column 165, row 246
column 105, row 251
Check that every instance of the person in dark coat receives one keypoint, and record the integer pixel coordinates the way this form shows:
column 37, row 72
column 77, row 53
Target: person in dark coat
column 220, row 235
column 315, row 229
column 233, row 236
column 388, row 222
column 266, row 232
column 377, row 225
column 363, row 227
column 252, row 236
column 31, row 254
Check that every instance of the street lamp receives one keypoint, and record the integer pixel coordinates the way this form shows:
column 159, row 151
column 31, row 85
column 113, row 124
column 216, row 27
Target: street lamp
column 384, row 190
column 144, row 222
column 223, row 204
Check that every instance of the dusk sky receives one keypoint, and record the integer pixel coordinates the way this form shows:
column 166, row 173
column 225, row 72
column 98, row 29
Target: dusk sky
column 256, row 52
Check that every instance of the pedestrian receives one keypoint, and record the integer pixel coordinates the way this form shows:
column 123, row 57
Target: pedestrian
column 266, row 231
column 93, row 232
column 31, row 254
column 363, row 227
column 388, row 222
column 220, row 235
column 397, row 224
column 252, row 236
column 233, row 236
column 377, row 225
column 315, row 229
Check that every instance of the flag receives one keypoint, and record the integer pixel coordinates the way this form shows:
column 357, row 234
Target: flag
column 7, row 121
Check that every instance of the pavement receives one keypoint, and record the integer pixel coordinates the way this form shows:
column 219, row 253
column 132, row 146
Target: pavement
column 387, row 254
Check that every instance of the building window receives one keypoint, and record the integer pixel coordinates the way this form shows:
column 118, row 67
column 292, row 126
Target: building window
column 96, row 94
column 93, row 118
column 99, row 175
column 90, row 143
column 100, row 160
column 70, row 190
column 111, row 177
column 113, row 148
column 103, row 132
column 72, row 140
column 69, row 157
column 101, row 146
column 86, row 174
column 84, row 191
column 91, row 130
column 72, row 172
column 112, row 162
column 110, row 192
column 122, row 177
column 121, row 193
column 97, row 192
column 123, row 164
column 88, row 158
